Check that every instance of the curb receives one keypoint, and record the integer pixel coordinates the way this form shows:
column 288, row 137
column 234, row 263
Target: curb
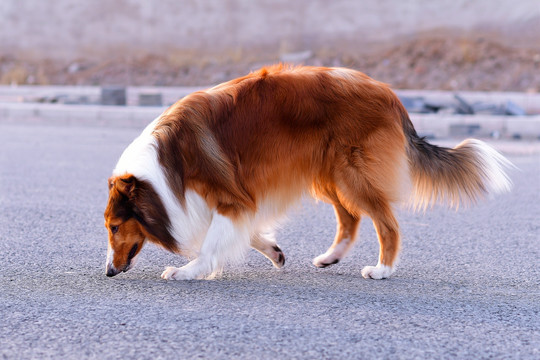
column 530, row 102
column 486, row 126
column 29, row 94
column 87, row 115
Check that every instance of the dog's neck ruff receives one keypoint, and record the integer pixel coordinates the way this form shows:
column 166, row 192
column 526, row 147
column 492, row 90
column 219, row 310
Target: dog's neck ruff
column 140, row 159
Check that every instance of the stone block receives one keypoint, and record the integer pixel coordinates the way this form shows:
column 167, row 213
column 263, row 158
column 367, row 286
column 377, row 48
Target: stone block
column 113, row 95
column 150, row 99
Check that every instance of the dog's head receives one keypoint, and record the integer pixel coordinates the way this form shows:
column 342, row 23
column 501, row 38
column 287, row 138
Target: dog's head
column 134, row 214
column 122, row 220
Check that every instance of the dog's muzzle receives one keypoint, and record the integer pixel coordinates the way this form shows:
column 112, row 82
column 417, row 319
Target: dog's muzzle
column 132, row 259
column 111, row 271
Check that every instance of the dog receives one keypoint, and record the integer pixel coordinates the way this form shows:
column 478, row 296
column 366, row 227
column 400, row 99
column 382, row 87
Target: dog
column 212, row 175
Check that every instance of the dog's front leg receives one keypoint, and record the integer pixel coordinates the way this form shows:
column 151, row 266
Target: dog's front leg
column 225, row 240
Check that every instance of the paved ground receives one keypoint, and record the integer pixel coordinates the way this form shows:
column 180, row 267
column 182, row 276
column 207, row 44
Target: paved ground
column 468, row 285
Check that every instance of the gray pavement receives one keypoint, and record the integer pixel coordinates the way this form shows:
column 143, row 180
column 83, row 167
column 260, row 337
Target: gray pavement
column 467, row 287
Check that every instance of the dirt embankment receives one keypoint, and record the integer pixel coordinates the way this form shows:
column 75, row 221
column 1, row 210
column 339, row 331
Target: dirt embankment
column 437, row 63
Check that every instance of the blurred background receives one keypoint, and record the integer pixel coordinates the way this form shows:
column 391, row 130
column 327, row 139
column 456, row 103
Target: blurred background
column 422, row 44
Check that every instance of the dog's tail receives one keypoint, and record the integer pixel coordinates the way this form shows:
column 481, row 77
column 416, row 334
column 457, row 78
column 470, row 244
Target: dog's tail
column 458, row 176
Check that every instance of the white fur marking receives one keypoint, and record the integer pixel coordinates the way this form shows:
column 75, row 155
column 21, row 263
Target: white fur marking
column 110, row 257
column 377, row 272
column 225, row 241
column 493, row 166
column 332, row 254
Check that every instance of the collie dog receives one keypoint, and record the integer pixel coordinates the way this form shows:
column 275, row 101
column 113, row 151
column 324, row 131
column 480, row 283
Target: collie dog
column 211, row 176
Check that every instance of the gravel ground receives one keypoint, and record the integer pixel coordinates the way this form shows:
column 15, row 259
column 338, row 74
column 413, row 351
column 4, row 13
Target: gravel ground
column 447, row 63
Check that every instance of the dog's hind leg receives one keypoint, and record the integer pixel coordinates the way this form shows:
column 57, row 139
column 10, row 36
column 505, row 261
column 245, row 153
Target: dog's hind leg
column 387, row 229
column 347, row 226
column 370, row 192
column 265, row 243
column 372, row 201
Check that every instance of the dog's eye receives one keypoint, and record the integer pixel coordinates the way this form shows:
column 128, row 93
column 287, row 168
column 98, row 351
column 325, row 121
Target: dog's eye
column 114, row 229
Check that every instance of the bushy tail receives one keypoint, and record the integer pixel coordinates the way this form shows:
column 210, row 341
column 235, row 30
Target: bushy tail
column 458, row 176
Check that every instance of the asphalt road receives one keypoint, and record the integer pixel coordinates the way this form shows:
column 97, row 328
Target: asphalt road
column 468, row 284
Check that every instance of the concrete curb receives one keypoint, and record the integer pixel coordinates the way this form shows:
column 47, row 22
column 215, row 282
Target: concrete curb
column 530, row 102
column 442, row 126
column 87, row 115
column 11, row 94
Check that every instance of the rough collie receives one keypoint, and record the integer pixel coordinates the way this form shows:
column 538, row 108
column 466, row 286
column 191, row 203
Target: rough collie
column 209, row 177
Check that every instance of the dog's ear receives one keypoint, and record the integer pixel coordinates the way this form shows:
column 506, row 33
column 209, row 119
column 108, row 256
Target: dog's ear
column 125, row 184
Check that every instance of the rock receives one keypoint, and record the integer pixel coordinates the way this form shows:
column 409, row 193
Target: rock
column 463, row 107
column 414, row 104
column 150, row 99
column 511, row 108
column 113, row 95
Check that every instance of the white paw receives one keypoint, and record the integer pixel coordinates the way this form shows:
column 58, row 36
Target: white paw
column 325, row 260
column 174, row 273
column 377, row 272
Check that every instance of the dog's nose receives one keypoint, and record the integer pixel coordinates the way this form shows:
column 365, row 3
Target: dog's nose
column 111, row 271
